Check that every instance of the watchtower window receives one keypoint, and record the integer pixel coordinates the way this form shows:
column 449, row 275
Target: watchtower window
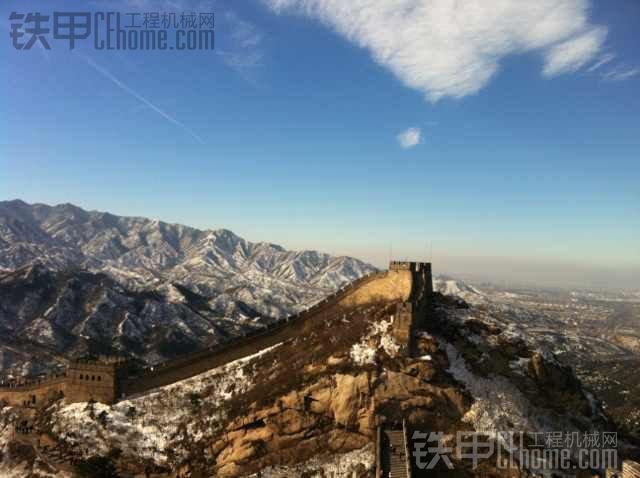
column 93, row 377
column 81, row 377
column 99, row 378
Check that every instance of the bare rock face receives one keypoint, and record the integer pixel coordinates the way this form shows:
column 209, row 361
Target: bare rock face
column 349, row 398
column 334, row 414
column 337, row 413
column 557, row 384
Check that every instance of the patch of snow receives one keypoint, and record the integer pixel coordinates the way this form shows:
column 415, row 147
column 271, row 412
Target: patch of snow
column 378, row 337
column 389, row 345
column 338, row 466
column 172, row 293
column 498, row 405
column 363, row 354
column 157, row 424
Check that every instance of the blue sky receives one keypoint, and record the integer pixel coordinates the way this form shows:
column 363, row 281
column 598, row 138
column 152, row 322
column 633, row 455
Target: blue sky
column 521, row 142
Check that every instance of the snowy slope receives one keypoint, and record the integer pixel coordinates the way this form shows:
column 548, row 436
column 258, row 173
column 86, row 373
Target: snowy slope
column 448, row 286
column 145, row 253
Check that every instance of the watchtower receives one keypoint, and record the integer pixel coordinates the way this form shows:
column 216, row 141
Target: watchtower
column 422, row 282
column 413, row 313
column 95, row 379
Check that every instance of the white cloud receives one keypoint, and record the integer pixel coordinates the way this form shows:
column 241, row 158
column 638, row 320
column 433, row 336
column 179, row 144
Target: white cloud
column 409, row 138
column 454, row 48
column 571, row 55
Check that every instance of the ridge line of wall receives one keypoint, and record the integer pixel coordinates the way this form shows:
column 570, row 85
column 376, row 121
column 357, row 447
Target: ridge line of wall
column 200, row 362
column 407, row 283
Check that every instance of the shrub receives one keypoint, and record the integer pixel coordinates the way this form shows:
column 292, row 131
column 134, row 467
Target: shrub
column 195, row 401
column 91, row 408
column 131, row 413
column 96, row 467
column 103, row 418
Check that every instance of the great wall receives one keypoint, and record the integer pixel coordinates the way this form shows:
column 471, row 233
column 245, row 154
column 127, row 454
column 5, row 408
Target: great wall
column 107, row 380
column 408, row 285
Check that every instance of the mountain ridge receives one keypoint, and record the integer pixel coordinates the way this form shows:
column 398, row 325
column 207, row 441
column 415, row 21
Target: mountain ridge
column 146, row 253
column 203, row 284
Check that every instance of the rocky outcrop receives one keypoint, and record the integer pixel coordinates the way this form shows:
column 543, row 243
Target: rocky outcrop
column 340, row 412
column 336, row 414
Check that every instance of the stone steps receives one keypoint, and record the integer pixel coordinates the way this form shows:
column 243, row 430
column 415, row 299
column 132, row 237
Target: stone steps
column 394, row 458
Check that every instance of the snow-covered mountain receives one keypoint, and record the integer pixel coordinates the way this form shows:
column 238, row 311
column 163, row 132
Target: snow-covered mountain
column 448, row 286
column 142, row 253
column 47, row 317
column 75, row 281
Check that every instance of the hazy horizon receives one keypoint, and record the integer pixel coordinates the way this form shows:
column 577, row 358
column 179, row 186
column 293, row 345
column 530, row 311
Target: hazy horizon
column 502, row 271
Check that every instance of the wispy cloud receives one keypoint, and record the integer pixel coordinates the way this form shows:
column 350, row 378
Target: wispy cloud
column 573, row 54
column 603, row 60
column 447, row 48
column 241, row 47
column 409, row 138
column 244, row 34
column 621, row 73
column 107, row 74
column 609, row 71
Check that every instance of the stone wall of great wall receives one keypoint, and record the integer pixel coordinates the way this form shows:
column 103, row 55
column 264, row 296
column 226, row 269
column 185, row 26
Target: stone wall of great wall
column 84, row 380
column 33, row 392
column 407, row 283
column 380, row 287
